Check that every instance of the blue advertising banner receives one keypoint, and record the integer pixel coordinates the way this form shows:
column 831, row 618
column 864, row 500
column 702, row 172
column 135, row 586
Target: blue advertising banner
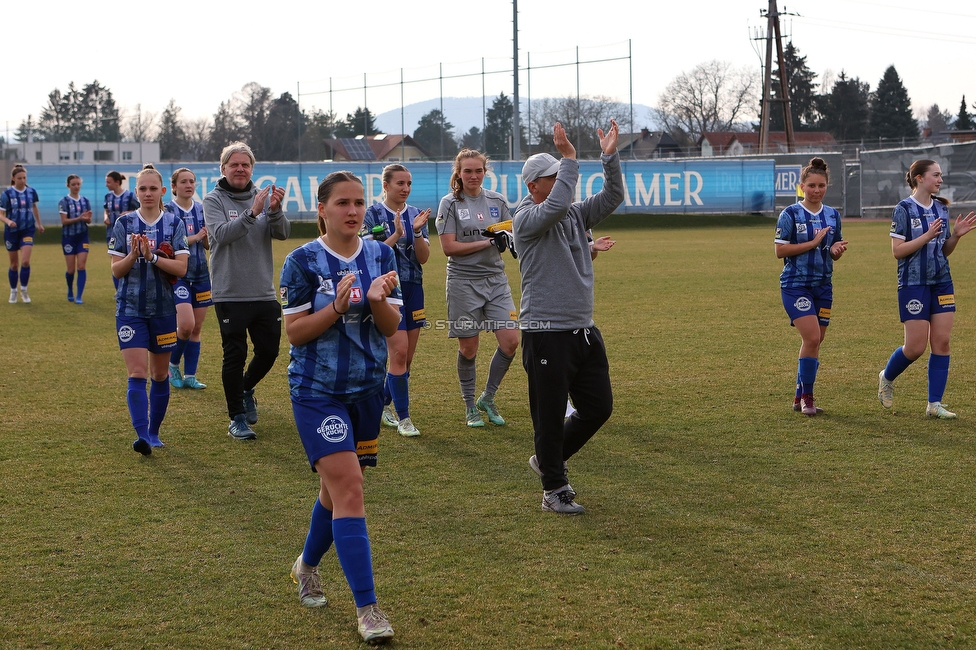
column 787, row 179
column 705, row 186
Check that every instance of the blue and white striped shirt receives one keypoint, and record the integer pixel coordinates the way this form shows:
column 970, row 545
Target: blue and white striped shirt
column 115, row 205
column 143, row 292
column 408, row 267
column 19, row 206
column 74, row 208
column 196, row 267
column 928, row 265
column 797, row 225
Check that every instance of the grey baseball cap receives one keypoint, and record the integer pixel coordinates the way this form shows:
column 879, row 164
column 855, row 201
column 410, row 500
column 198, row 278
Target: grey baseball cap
column 538, row 166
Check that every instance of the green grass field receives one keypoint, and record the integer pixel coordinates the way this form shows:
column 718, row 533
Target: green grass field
column 716, row 516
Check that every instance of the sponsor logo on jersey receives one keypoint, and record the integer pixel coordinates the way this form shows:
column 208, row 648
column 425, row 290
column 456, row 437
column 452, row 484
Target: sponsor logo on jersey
column 111, row 242
column 203, row 295
column 463, row 213
column 166, row 339
column 824, row 313
column 283, row 295
column 418, row 314
column 801, row 228
column 182, row 293
column 513, row 315
column 894, row 227
column 232, row 214
column 356, row 294
column 28, row 240
column 916, row 223
column 367, row 447
column 779, row 233
column 126, row 333
column 84, row 246
column 803, row 303
column 68, row 249
column 949, row 299
column 325, row 286
column 494, row 212
column 333, row 429
column 914, row 307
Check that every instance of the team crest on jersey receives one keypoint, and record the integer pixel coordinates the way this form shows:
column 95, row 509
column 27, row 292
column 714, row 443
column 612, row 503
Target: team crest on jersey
column 111, row 242
column 283, row 295
column 916, row 223
column 333, row 429
column 326, row 286
column 893, row 227
column 914, row 307
column 801, row 228
column 779, row 233
column 494, row 212
column 126, row 333
column 182, row 293
column 481, row 216
column 464, row 214
column 356, row 294
column 803, row 303
column 190, row 227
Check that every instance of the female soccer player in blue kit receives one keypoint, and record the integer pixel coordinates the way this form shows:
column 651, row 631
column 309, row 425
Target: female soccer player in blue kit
column 405, row 231
column 809, row 240
column 920, row 241
column 21, row 218
column 340, row 302
column 117, row 202
column 145, row 314
column 76, row 214
column 192, row 291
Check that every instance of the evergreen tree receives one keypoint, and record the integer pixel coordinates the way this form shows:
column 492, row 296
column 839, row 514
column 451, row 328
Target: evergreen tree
column 281, row 129
column 498, row 127
column 318, row 126
column 964, row 121
column 172, row 135
column 844, row 110
column 362, row 122
column 435, row 134
column 97, row 115
column 891, row 110
column 800, row 84
column 226, row 129
column 27, row 131
column 472, row 139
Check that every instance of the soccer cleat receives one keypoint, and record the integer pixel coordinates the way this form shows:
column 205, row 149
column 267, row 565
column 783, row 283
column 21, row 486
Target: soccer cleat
column 797, row 405
column 189, row 381
column 309, row 588
column 473, row 416
column 175, row 376
column 374, row 626
column 937, row 410
column 807, row 407
column 142, row 446
column 390, row 418
column 251, row 407
column 886, row 390
column 79, row 301
column 487, row 404
column 406, row 429
column 239, row 428
column 561, row 501
column 24, row 297
column 13, row 296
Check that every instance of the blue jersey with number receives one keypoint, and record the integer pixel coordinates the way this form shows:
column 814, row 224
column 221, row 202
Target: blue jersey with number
column 408, row 267
column 115, row 205
column 196, row 267
column 928, row 265
column 19, row 206
column 74, row 208
column 143, row 291
column 347, row 361
column 797, row 225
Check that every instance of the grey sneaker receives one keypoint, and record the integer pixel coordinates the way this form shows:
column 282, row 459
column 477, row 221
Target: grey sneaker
column 407, row 429
column 239, row 428
column 309, row 587
column 938, row 410
column 886, row 391
column 473, row 417
column 390, row 418
column 374, row 626
column 250, row 407
column 561, row 501
column 24, row 297
column 487, row 404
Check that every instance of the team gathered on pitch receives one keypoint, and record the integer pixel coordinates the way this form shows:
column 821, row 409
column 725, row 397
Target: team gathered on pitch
column 352, row 305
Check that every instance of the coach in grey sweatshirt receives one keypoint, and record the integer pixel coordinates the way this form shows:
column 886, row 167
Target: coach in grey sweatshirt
column 562, row 351
column 241, row 222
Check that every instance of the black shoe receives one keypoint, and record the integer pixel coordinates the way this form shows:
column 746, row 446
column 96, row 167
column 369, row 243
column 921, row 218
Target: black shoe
column 142, row 446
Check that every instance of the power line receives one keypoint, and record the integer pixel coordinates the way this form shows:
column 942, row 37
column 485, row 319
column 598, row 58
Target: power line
column 892, row 31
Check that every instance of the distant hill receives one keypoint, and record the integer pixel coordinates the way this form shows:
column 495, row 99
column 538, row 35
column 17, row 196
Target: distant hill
column 465, row 112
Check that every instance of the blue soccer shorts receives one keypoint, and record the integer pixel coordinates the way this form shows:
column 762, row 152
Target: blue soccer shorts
column 327, row 426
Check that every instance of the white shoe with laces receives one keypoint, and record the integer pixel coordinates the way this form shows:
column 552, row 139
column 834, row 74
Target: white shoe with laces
column 374, row 626
column 938, row 410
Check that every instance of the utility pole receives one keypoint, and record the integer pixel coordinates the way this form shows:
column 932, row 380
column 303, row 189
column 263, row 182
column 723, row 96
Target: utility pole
column 773, row 31
column 516, row 119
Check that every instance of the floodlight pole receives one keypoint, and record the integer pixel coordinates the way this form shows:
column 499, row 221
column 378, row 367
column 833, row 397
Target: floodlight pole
column 516, row 119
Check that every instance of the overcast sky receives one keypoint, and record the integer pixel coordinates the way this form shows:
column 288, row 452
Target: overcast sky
column 201, row 53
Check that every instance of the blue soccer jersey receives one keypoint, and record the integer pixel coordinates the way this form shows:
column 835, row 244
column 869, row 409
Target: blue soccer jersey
column 408, row 268
column 348, row 361
column 196, row 267
column 115, row 205
column 74, row 208
column 19, row 206
column 797, row 225
column 143, row 292
column 928, row 265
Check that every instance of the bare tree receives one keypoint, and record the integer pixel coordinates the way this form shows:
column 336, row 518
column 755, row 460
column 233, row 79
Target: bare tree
column 713, row 96
column 580, row 118
column 139, row 125
column 197, row 138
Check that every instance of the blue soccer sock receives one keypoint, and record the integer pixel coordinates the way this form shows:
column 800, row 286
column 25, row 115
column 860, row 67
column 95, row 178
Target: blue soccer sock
column 12, row 277
column 24, row 276
column 138, row 403
column 191, row 358
column 82, row 279
column 352, row 547
column 807, row 371
column 897, row 364
column 938, row 376
column 319, row 537
column 70, row 279
column 177, row 354
column 399, row 388
column 158, row 401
